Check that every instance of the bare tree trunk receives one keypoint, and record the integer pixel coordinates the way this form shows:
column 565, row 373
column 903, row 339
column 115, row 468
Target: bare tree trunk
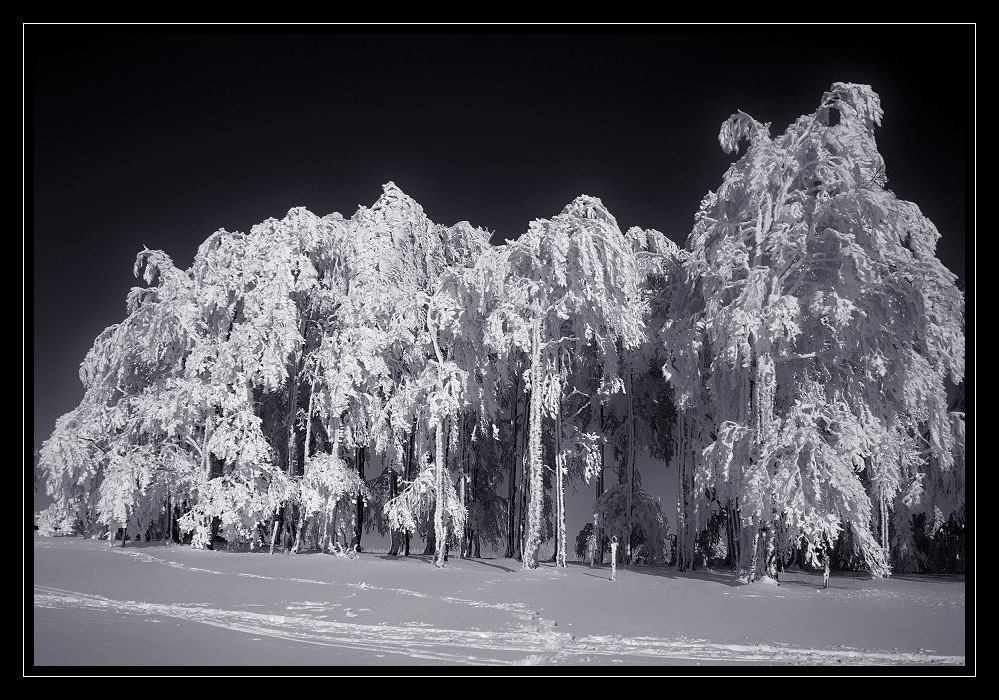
column 681, row 558
column 206, row 466
column 769, row 550
column 409, row 475
column 393, row 492
column 205, row 463
column 534, row 511
column 292, row 433
column 885, row 540
column 524, row 483
column 274, row 529
column 462, row 498
column 754, row 553
column 473, row 534
column 169, row 520
column 525, row 495
column 292, row 451
column 305, row 466
column 324, row 532
column 631, row 464
column 512, row 476
column 308, row 422
column 560, row 489
column 881, row 518
column 685, row 533
column 439, row 534
column 770, row 540
column 762, row 387
column 286, row 525
column 733, row 532
column 462, row 484
column 600, row 484
column 359, row 456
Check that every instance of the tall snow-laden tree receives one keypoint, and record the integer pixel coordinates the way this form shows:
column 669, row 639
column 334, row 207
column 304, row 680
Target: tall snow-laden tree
column 456, row 343
column 457, row 312
column 567, row 282
column 397, row 377
column 129, row 363
column 497, row 400
column 830, row 330
column 257, row 291
column 178, row 377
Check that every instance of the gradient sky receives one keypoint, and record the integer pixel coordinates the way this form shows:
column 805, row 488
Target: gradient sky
column 140, row 138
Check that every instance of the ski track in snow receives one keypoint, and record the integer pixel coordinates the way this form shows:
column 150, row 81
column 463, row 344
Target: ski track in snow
column 440, row 646
column 516, row 608
column 541, row 643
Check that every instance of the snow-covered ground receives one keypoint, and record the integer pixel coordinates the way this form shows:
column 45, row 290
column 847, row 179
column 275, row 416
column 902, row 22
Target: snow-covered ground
column 172, row 605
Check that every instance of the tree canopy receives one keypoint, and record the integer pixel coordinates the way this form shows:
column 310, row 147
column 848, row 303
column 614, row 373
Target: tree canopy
column 795, row 363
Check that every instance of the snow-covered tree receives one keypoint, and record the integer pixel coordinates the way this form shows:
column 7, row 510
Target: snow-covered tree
column 829, row 329
column 71, row 462
column 627, row 508
column 567, row 282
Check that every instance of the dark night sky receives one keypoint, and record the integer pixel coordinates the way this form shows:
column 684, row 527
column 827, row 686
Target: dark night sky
column 153, row 139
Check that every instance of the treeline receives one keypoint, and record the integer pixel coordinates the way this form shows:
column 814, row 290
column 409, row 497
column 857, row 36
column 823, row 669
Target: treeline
column 799, row 365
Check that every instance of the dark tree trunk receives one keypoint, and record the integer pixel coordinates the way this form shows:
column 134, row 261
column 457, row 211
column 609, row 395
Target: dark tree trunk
column 463, row 488
column 511, row 534
column 442, row 457
column 216, row 522
column 292, row 448
column 292, row 432
column 167, row 528
column 524, row 487
column 214, row 471
column 473, row 536
column 732, row 535
column 622, row 480
column 393, row 492
column 631, row 467
column 359, row 520
column 600, row 488
column 684, row 495
column 410, row 457
column 275, row 527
